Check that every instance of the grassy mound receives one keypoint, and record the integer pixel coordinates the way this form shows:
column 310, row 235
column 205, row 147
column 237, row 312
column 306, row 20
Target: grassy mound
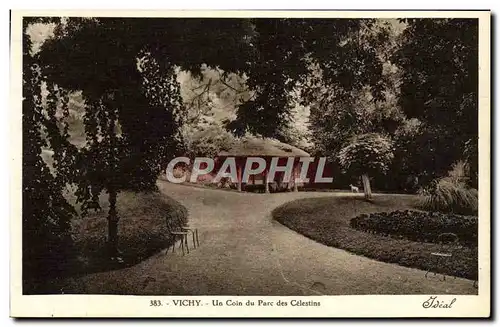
column 327, row 220
column 146, row 220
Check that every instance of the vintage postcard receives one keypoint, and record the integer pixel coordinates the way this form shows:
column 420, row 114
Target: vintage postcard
column 250, row 164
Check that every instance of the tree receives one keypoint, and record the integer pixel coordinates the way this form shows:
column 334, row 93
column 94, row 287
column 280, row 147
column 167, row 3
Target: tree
column 355, row 94
column 365, row 156
column 127, row 68
column 206, row 139
column 213, row 95
column 471, row 156
column 408, row 165
column 130, row 120
column 287, row 55
column 46, row 213
column 439, row 63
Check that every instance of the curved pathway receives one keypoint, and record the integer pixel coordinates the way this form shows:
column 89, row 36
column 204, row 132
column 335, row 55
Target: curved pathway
column 243, row 251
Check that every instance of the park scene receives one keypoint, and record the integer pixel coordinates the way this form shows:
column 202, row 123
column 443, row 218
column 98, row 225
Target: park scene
column 249, row 156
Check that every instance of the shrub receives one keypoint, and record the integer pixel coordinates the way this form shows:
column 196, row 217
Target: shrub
column 450, row 195
column 420, row 225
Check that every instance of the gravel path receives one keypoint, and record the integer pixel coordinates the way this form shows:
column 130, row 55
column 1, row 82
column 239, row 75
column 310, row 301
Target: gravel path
column 243, row 251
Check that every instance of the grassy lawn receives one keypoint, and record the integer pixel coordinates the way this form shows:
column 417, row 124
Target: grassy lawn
column 146, row 220
column 326, row 220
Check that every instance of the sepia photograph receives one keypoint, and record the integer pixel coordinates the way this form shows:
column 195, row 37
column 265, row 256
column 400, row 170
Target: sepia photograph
column 250, row 164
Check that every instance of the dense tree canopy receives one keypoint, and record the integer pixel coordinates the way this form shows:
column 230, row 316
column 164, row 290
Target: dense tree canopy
column 439, row 85
column 365, row 101
column 428, row 102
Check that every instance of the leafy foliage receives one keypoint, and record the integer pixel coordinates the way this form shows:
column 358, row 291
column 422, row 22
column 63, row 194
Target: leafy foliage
column 213, row 95
column 439, row 63
column 451, row 194
column 410, row 167
column 131, row 121
column 132, row 104
column 46, row 214
column 367, row 154
column 409, row 140
column 425, row 96
column 289, row 56
column 207, row 139
column 366, row 101
column 471, row 156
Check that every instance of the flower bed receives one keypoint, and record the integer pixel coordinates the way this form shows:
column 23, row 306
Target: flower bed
column 420, row 226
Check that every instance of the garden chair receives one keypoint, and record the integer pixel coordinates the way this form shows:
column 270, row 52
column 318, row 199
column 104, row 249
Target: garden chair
column 182, row 235
column 450, row 242
column 194, row 234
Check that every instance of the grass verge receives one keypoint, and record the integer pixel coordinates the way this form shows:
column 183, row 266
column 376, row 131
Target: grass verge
column 326, row 220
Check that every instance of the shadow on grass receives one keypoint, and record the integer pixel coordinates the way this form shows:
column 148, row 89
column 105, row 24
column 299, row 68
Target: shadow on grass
column 326, row 220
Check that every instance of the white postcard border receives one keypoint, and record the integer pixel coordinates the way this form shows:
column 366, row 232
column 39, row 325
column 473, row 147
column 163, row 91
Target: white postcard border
column 330, row 306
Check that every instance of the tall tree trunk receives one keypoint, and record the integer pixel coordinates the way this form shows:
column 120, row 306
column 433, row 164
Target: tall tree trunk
column 112, row 224
column 366, row 186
